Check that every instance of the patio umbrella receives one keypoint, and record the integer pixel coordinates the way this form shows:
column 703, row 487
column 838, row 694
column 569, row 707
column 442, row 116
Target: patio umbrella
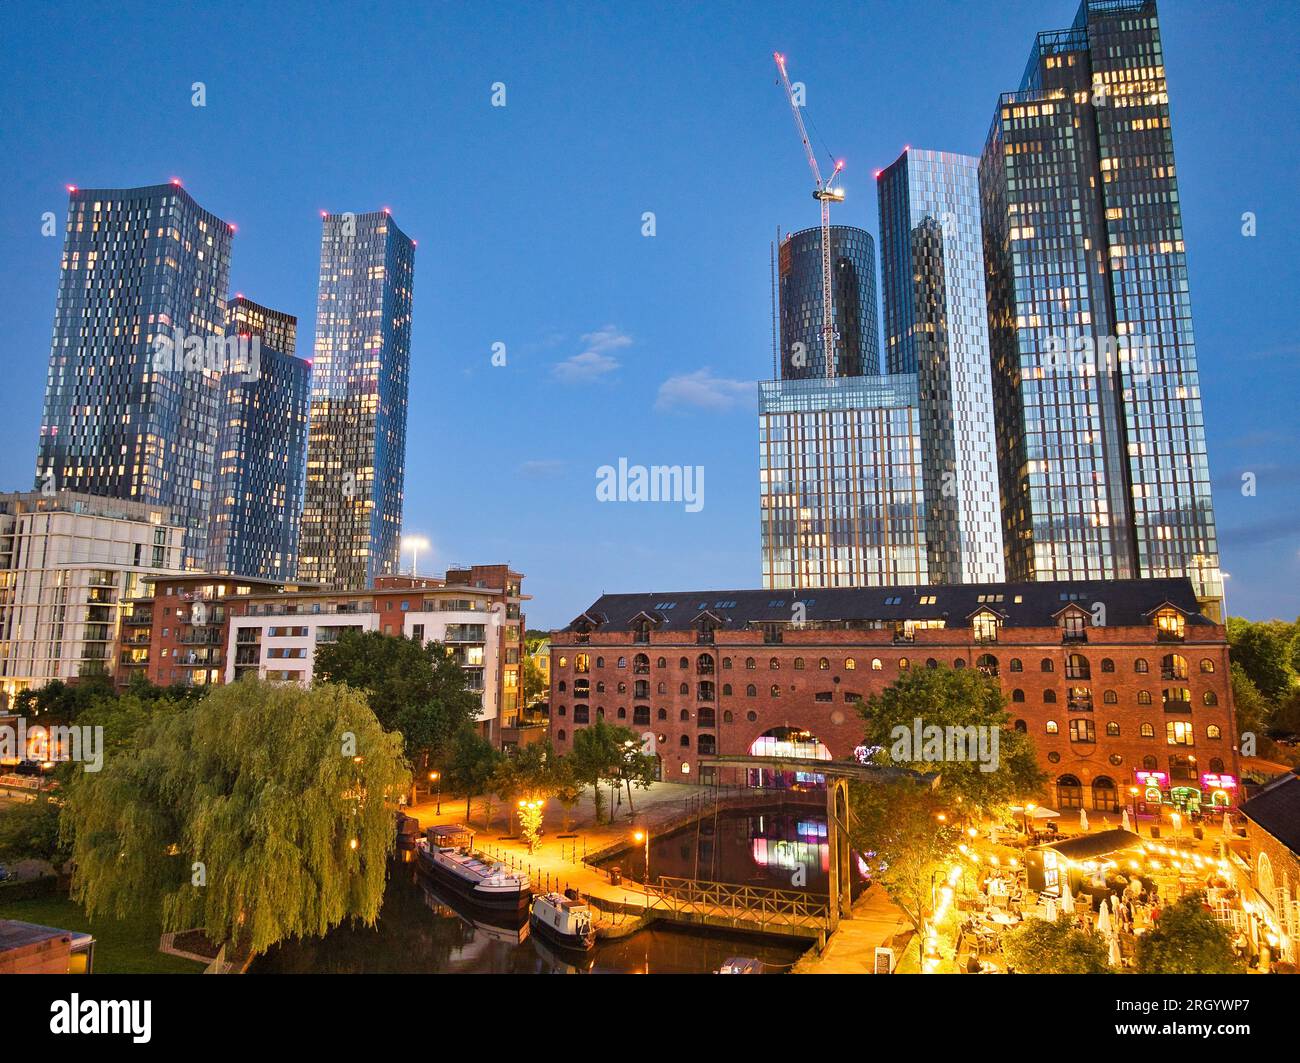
column 1124, row 823
column 1067, row 899
column 1103, row 918
column 1051, row 912
column 1083, row 819
column 1227, row 825
column 1115, row 958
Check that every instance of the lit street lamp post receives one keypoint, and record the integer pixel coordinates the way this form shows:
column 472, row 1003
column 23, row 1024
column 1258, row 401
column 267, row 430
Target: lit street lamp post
column 435, row 778
column 644, row 836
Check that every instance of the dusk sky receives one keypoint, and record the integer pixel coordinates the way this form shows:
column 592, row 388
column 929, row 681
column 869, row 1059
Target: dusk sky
column 529, row 224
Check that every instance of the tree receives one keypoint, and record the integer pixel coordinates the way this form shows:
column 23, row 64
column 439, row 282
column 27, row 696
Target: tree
column 1041, row 947
column 568, row 789
column 1187, row 939
column 953, row 698
column 30, row 830
column 415, row 688
column 636, row 768
column 262, row 812
column 896, row 827
column 1252, row 710
column 534, row 682
column 1264, row 650
column 473, row 763
column 62, row 702
column 599, row 754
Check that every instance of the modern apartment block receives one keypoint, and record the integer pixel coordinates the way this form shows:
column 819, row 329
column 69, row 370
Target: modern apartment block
column 258, row 485
column 1101, row 435
column 840, row 482
column 356, row 448
column 936, row 326
column 857, row 331
column 173, row 633
column 68, row 563
column 1141, row 700
column 274, row 635
column 131, row 400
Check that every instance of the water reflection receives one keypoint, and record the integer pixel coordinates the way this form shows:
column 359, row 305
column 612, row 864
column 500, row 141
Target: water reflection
column 421, row 931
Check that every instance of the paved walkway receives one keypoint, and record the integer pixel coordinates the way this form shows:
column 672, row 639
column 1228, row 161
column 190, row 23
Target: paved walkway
column 851, row 949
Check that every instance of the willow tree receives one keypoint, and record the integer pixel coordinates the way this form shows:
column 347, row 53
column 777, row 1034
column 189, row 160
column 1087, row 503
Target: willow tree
column 260, row 813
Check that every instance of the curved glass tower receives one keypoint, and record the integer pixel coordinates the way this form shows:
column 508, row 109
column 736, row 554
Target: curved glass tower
column 857, row 331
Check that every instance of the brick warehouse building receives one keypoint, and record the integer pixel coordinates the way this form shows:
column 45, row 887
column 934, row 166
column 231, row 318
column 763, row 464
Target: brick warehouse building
column 1120, row 683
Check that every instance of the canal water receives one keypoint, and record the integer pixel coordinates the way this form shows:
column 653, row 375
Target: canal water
column 784, row 847
column 422, row 931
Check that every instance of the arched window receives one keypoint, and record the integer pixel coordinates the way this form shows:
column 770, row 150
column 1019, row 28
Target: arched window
column 727, row 716
column 1052, row 728
column 684, row 741
column 798, row 664
column 560, row 734
column 773, row 665
column 1110, row 698
column 684, row 688
column 1213, row 731
column 684, row 663
column 1144, row 697
column 706, row 745
column 1210, row 698
column 662, row 662
column 1016, row 665
column 600, row 662
column 622, row 662
column 1069, row 794
column 726, row 690
column 622, row 713
column 562, row 711
column 1216, row 765
column 1017, row 695
column 960, row 662
column 877, row 664
column 1207, row 666
column 704, row 664
column 750, row 664
column 775, row 691
column 930, row 662
column 1140, row 666
column 662, row 714
column 561, row 686
column 1173, row 666
column 850, row 664
column 903, row 664
column 987, row 663
column 1149, row 763
column 1046, row 665
column 726, row 664
column 1147, row 731
column 662, row 688
column 751, row 691
column 641, row 664
column 824, row 664
column 1103, row 794
column 642, row 689
column 1021, row 726
column 1112, row 729
column 685, row 715
column 600, row 686
column 1077, row 667
column 1049, row 697
column 1107, row 665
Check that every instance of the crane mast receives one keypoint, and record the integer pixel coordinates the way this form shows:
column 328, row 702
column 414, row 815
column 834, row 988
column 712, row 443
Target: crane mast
column 826, row 194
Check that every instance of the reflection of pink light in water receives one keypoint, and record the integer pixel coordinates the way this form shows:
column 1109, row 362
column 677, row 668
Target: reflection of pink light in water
column 788, row 855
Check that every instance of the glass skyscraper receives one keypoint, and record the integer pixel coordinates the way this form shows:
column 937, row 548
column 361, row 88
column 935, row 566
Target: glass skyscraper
column 857, row 332
column 936, row 326
column 1101, row 437
column 841, row 492
column 356, row 446
column 142, row 268
column 257, row 497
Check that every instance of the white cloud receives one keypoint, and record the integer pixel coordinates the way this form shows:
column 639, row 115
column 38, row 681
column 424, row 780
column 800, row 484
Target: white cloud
column 597, row 357
column 702, row 390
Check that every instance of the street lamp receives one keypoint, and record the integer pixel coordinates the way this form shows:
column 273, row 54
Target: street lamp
column 435, row 777
column 1133, row 795
column 644, row 836
column 414, row 543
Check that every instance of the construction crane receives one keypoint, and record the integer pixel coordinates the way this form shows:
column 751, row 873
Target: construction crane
column 825, row 193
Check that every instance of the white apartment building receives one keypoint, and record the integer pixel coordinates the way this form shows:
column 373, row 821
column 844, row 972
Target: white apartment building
column 67, row 563
column 275, row 636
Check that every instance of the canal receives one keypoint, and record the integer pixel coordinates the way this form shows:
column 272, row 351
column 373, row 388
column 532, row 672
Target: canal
column 420, row 930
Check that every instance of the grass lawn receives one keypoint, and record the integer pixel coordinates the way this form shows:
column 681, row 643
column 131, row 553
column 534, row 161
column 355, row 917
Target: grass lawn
column 125, row 946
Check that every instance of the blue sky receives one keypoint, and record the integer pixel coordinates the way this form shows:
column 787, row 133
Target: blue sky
column 529, row 222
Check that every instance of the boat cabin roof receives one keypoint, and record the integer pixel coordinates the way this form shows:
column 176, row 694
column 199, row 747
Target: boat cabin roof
column 450, row 835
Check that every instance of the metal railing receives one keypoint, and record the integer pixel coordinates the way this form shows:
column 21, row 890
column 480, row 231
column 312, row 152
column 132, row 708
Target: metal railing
column 739, row 904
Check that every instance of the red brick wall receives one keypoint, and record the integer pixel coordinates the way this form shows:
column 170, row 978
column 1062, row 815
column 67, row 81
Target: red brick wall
column 838, row 724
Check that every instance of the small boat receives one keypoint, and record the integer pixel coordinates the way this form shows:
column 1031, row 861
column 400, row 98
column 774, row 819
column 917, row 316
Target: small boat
column 447, row 855
column 564, row 921
column 741, row 965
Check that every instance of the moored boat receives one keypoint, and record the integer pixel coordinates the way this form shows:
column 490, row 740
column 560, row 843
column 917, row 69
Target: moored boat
column 563, row 921
column 447, row 854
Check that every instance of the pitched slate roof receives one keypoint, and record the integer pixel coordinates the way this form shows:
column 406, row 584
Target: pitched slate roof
column 1276, row 809
column 1128, row 603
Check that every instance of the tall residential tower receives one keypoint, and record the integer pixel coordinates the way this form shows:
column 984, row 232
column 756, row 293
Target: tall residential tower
column 131, row 399
column 1101, row 436
column 936, row 326
column 356, row 447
